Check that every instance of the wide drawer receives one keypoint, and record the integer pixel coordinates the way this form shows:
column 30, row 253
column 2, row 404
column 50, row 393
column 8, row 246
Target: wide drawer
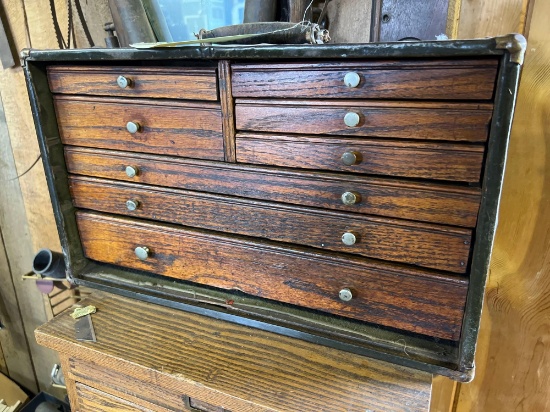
column 92, row 400
column 426, row 121
column 425, row 245
column 394, row 296
column 433, row 203
column 439, row 161
column 437, row 80
column 158, row 82
column 174, row 128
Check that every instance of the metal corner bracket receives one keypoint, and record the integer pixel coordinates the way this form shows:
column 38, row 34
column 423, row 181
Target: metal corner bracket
column 516, row 45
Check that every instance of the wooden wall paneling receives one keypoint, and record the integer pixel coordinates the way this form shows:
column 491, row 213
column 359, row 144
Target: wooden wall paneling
column 513, row 366
column 3, row 365
column 349, row 21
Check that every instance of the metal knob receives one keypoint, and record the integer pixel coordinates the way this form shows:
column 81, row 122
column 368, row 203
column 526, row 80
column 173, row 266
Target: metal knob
column 132, row 171
column 349, row 239
column 352, row 79
column 123, row 82
column 132, row 204
column 350, row 158
column 350, row 198
column 352, row 119
column 345, row 294
column 133, row 127
column 142, row 252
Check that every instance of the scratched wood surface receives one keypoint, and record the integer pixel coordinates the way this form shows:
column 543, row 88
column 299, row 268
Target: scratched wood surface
column 170, row 354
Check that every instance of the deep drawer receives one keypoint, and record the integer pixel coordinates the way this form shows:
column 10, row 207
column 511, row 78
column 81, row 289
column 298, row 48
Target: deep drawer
column 157, row 82
column 433, row 203
column 393, row 296
column 425, row 245
column 425, row 121
column 180, row 129
column 437, row 80
column 437, row 161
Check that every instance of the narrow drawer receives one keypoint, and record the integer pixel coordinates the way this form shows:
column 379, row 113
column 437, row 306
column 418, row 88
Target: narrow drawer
column 438, row 161
column 157, row 82
column 394, row 296
column 92, row 400
column 437, row 80
column 430, row 246
column 434, row 203
column 173, row 128
column 425, row 121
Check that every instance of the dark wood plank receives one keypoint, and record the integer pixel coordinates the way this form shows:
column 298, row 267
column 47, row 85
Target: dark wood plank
column 180, row 129
column 425, row 245
column 389, row 79
column 429, row 121
column 228, row 110
column 398, row 297
column 158, row 82
column 433, row 203
column 168, row 353
column 436, row 161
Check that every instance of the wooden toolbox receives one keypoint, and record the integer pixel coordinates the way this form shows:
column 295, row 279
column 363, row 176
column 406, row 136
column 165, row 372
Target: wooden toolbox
column 343, row 194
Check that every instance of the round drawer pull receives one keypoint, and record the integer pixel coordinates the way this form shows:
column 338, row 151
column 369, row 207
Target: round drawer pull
column 352, row 79
column 133, row 127
column 350, row 158
column 132, row 171
column 124, row 82
column 350, row 198
column 352, row 119
column 345, row 294
column 349, row 239
column 142, row 252
column 132, row 204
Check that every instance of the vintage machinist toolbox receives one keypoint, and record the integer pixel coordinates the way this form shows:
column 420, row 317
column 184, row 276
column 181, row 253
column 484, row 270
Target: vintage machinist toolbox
column 342, row 194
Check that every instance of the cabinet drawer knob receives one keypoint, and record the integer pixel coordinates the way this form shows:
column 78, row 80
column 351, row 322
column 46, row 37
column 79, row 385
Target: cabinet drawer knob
column 345, row 294
column 350, row 158
column 349, row 239
column 352, row 79
column 133, row 127
column 132, row 204
column 352, row 119
column 124, row 82
column 350, row 198
column 132, row 171
column 142, row 252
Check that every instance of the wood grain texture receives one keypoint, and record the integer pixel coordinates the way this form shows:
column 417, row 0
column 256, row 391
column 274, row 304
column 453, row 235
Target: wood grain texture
column 378, row 157
column 228, row 110
column 386, row 79
column 430, row 246
column 156, row 82
column 92, row 400
column 432, row 203
column 170, row 353
column 398, row 297
column 349, row 21
column 70, row 383
column 512, row 362
column 180, row 129
column 428, row 121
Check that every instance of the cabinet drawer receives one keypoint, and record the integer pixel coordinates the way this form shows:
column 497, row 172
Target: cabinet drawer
column 430, row 246
column 92, row 400
column 157, row 82
column 437, row 161
column 180, row 129
column 437, row 80
column 427, row 121
column 398, row 297
column 433, row 203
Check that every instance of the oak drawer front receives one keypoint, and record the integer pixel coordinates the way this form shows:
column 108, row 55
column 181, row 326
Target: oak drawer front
column 429, row 246
column 92, row 400
column 436, row 161
column 432, row 203
column 156, row 82
column 398, row 297
column 436, row 80
column 180, row 129
column 462, row 122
